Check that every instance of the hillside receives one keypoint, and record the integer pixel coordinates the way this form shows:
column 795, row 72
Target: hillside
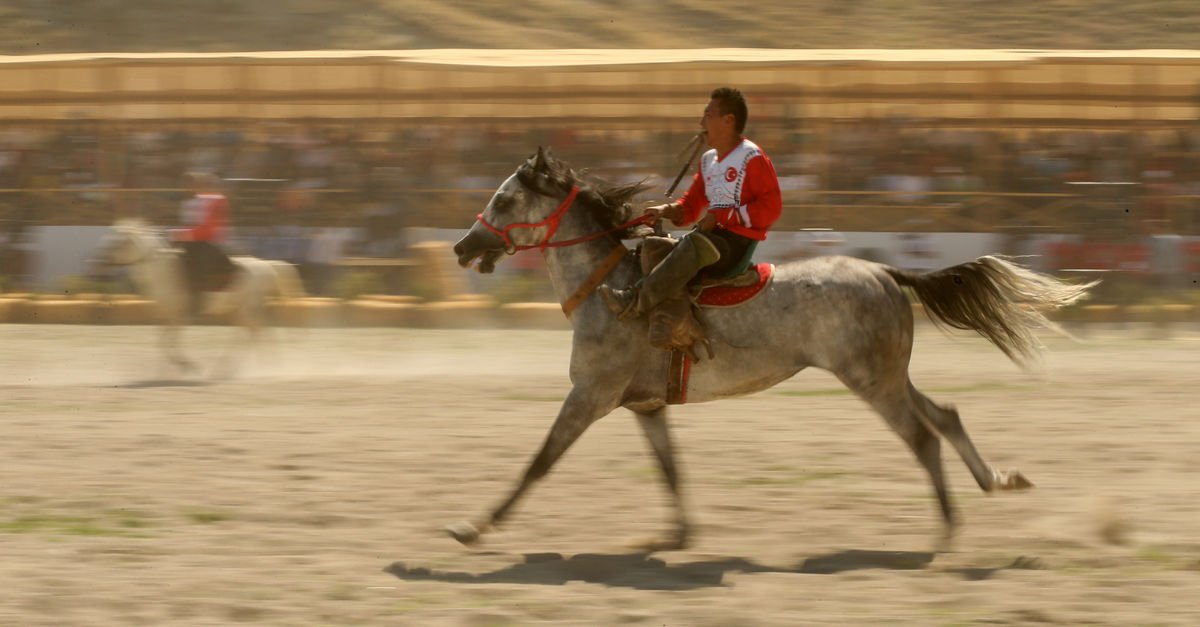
column 46, row 26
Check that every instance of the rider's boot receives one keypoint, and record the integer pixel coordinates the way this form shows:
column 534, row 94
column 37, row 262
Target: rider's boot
column 195, row 302
column 668, row 278
column 193, row 270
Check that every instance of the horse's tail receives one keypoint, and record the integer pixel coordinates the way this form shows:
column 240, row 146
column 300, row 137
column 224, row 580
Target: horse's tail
column 1000, row 300
column 287, row 281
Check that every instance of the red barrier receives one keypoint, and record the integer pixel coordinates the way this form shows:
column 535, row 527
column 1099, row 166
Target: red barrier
column 1098, row 256
column 1191, row 257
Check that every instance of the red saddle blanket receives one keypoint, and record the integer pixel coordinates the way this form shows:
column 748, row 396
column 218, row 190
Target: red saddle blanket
column 729, row 296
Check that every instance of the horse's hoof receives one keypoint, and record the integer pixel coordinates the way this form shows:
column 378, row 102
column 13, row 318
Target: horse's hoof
column 464, row 532
column 1014, row 480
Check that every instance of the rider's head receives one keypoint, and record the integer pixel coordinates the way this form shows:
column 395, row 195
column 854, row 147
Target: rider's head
column 204, row 182
column 728, row 109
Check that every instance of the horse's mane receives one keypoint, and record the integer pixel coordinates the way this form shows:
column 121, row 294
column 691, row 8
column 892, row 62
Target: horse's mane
column 610, row 203
column 129, row 224
column 137, row 227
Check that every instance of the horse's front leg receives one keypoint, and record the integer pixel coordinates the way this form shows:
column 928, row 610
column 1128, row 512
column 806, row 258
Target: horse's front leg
column 582, row 407
column 169, row 338
column 243, row 337
column 657, row 431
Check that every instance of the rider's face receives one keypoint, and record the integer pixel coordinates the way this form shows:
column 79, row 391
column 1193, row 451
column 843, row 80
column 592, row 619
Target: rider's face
column 717, row 126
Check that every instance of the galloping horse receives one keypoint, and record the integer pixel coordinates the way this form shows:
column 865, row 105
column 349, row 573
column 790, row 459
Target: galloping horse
column 157, row 270
column 845, row 315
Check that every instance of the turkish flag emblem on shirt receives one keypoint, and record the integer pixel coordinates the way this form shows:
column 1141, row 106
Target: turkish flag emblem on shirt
column 731, row 175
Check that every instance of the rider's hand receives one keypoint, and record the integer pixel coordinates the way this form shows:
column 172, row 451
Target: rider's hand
column 671, row 211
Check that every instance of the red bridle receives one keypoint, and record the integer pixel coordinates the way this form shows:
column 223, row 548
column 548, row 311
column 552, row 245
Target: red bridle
column 551, row 224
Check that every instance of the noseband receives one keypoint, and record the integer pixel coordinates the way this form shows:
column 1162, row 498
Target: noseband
column 551, row 224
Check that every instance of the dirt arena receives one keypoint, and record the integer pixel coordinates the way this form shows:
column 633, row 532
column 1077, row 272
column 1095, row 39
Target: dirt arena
column 311, row 490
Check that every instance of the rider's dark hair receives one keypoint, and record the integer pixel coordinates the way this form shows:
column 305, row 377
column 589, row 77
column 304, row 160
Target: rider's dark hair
column 731, row 100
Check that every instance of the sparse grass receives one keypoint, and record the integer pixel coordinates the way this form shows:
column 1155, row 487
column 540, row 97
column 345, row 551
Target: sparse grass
column 129, row 519
column 812, row 393
column 24, row 499
column 534, row 398
column 207, row 516
column 1165, row 557
column 58, row 524
column 643, row 473
column 1153, row 554
column 344, row 592
column 949, row 389
column 789, row 477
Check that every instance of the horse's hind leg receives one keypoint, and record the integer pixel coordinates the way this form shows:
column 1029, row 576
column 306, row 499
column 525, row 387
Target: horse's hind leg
column 889, row 397
column 946, row 422
column 578, row 412
column 924, row 443
column 654, row 425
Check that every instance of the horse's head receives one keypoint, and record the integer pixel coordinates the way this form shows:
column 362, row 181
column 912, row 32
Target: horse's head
column 129, row 242
column 518, row 215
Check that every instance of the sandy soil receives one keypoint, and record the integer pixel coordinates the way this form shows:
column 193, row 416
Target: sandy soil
column 311, row 490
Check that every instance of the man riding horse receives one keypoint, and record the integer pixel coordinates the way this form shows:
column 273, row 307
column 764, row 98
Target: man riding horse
column 737, row 183
column 206, row 266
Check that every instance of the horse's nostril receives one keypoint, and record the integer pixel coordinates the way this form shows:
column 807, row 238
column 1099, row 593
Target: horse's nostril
column 458, row 249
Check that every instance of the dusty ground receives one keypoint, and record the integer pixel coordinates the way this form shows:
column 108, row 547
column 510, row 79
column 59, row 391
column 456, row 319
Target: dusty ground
column 311, row 490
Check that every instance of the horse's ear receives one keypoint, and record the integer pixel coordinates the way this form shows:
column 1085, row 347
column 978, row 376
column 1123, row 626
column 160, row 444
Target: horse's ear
column 539, row 160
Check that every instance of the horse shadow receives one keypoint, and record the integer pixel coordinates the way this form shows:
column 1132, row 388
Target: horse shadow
column 983, row 573
column 163, row 383
column 644, row 572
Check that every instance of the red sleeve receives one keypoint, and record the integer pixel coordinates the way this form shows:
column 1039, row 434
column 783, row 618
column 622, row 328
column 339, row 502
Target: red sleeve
column 694, row 201
column 760, row 193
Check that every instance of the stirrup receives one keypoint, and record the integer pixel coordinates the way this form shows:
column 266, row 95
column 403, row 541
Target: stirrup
column 622, row 302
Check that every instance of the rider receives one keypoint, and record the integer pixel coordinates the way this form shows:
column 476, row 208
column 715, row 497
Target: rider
column 737, row 183
column 206, row 214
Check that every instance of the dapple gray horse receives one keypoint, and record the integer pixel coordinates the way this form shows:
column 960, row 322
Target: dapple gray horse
column 845, row 315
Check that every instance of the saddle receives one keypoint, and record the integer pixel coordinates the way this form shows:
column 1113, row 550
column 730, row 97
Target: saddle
column 673, row 323
column 208, row 268
column 218, row 281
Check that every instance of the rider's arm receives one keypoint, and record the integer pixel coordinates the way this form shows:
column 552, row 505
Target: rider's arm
column 694, row 201
column 762, row 200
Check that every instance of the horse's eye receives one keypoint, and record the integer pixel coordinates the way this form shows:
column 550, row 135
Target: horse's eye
column 502, row 203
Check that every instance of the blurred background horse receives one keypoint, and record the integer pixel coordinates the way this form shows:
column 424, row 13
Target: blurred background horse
column 156, row 269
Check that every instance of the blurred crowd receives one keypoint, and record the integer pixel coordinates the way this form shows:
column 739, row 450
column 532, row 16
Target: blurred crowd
column 288, row 177
column 355, row 170
column 894, row 156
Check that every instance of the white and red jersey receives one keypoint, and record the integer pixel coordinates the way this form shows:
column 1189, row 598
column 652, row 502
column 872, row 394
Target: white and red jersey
column 740, row 188
column 207, row 219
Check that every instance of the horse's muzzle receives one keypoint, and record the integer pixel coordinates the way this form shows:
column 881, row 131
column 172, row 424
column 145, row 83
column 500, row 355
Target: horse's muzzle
column 485, row 247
